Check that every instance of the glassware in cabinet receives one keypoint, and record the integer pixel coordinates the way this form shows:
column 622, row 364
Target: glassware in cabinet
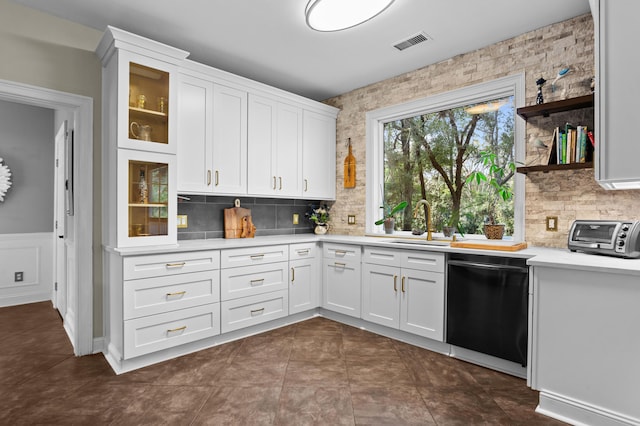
column 148, row 104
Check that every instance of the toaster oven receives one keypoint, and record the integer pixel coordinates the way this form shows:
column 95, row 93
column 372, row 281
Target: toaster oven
column 608, row 237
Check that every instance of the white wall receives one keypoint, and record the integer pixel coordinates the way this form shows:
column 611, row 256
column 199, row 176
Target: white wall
column 31, row 254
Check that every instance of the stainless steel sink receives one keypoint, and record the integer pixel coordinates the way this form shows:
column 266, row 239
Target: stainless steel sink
column 422, row 242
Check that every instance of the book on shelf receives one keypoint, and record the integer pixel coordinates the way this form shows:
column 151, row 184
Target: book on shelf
column 569, row 145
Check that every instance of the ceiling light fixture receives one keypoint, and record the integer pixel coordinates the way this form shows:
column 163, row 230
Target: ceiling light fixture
column 336, row 15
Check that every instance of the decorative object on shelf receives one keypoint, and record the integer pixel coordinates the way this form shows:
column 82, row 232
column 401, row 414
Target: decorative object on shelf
column 540, row 82
column 142, row 101
column 497, row 177
column 350, row 168
column 389, row 220
column 319, row 217
column 336, row 15
column 140, row 131
column 5, row 180
column 561, row 74
column 162, row 104
column 143, row 189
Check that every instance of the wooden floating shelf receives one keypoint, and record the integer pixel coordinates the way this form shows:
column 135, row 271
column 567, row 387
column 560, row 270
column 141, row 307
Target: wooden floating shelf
column 550, row 167
column 545, row 110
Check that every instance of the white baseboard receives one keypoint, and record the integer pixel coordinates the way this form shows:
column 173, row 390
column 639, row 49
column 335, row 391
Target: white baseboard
column 579, row 413
column 24, row 299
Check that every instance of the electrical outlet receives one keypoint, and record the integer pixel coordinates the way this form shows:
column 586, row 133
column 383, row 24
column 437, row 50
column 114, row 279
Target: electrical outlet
column 296, row 218
column 182, row 221
column 351, row 219
column 18, row 277
column 552, row 223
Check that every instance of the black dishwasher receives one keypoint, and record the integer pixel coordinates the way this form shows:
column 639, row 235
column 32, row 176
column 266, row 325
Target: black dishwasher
column 487, row 305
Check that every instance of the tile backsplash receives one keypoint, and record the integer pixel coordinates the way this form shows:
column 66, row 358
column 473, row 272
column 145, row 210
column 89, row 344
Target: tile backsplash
column 271, row 216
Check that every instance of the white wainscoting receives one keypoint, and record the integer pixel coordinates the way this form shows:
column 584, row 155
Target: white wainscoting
column 31, row 254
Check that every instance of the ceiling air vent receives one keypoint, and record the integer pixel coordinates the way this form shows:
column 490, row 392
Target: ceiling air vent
column 411, row 41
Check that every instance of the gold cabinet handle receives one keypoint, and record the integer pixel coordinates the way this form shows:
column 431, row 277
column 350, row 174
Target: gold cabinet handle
column 340, row 265
column 280, row 183
column 403, row 284
column 274, row 183
column 174, row 330
column 257, row 311
column 175, row 265
column 306, row 185
column 341, row 252
column 395, row 283
column 217, row 178
column 208, row 177
column 303, row 252
column 177, row 293
column 256, row 282
column 293, row 275
column 256, row 256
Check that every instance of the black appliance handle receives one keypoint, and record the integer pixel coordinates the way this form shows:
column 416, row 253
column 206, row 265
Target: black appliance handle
column 488, row 266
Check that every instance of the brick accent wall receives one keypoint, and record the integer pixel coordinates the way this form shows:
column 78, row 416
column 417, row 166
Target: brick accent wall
column 566, row 194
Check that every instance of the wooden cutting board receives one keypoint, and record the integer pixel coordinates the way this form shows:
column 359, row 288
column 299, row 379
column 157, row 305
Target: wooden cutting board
column 491, row 245
column 238, row 223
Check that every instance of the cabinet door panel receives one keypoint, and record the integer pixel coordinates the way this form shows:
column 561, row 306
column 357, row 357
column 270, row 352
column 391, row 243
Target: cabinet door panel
column 341, row 289
column 381, row 294
column 303, row 286
column 195, row 137
column 289, row 150
column 319, row 156
column 261, row 178
column 229, row 140
column 422, row 304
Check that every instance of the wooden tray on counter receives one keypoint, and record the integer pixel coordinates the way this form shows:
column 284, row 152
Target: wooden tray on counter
column 491, row 245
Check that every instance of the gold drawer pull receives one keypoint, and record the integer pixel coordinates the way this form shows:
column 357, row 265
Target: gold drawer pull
column 341, row 265
column 306, row 185
column 395, row 283
column 274, row 183
column 208, row 177
column 280, row 183
column 173, row 330
column 256, row 282
column 293, row 275
column 256, row 256
column 302, row 252
column 257, row 311
column 217, row 178
column 176, row 265
column 403, row 284
column 177, row 293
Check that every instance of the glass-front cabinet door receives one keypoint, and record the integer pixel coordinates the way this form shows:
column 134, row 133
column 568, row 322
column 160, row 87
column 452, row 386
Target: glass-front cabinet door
column 148, row 199
column 148, row 88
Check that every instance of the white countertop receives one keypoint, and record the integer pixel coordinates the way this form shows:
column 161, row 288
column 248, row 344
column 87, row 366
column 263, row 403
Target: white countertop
column 536, row 256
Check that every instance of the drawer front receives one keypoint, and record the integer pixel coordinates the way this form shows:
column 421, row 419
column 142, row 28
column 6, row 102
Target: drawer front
column 135, row 267
column 150, row 296
column 252, row 280
column 252, row 310
column 302, row 251
column 341, row 251
column 381, row 256
column 254, row 256
column 157, row 332
column 422, row 260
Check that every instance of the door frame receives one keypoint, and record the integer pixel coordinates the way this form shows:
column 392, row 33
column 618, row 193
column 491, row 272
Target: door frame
column 79, row 326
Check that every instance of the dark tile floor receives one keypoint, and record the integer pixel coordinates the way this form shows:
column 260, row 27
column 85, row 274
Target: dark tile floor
column 317, row 372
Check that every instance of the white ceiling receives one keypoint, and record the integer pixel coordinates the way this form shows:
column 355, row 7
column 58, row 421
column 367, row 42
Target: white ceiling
column 268, row 40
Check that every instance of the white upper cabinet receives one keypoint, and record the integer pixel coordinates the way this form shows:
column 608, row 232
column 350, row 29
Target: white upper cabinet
column 195, row 134
column 274, row 148
column 212, row 135
column 319, row 156
column 617, row 87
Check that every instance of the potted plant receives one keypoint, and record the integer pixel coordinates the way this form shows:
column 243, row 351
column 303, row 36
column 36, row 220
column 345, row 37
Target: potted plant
column 497, row 178
column 319, row 217
column 389, row 219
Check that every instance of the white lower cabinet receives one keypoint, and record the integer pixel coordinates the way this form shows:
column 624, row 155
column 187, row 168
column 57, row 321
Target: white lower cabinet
column 304, row 288
column 161, row 301
column 404, row 289
column 254, row 286
column 341, row 278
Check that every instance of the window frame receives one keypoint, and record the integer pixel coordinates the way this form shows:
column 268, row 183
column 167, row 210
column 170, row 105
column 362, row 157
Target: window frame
column 513, row 85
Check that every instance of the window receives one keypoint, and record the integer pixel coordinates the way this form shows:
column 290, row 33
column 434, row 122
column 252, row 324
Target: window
column 426, row 149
